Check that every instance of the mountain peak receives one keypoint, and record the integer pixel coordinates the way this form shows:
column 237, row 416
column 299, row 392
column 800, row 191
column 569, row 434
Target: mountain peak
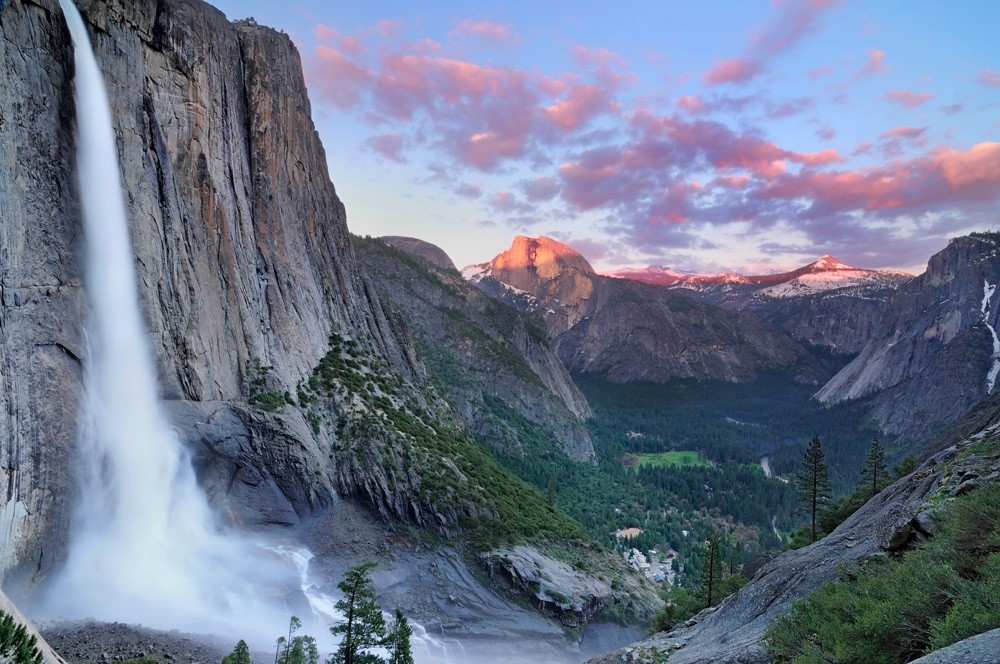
column 542, row 255
column 828, row 262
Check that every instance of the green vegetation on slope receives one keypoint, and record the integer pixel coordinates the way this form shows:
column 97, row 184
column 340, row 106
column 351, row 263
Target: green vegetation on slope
column 895, row 610
column 442, row 467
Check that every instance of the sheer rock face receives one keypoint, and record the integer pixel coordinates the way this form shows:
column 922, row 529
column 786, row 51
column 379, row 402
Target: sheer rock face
column 241, row 246
column 629, row 331
column 931, row 355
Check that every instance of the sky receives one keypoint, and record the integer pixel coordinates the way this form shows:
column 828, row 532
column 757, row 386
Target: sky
column 707, row 136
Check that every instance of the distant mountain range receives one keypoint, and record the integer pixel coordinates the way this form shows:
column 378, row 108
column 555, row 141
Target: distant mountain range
column 821, row 276
column 924, row 349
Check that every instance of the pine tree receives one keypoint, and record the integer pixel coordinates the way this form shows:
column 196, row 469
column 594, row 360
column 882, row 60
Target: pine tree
column 875, row 472
column 239, row 655
column 398, row 641
column 16, row 644
column 813, row 482
column 364, row 627
column 711, row 573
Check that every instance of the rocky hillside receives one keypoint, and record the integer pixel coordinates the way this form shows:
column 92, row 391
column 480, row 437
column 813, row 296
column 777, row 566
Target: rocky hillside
column 933, row 353
column 487, row 356
column 895, row 519
column 629, row 331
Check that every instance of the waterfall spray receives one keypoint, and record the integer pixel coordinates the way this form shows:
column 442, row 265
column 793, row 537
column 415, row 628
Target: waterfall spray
column 144, row 546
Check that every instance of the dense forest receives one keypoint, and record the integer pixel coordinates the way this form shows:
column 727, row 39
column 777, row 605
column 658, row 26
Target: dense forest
column 722, row 489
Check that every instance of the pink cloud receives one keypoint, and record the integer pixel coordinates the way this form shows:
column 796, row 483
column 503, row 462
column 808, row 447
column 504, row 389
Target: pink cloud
column 692, row 105
column 388, row 27
column 820, row 72
column 908, row 99
column 946, row 177
column 353, row 45
column 977, row 169
column 507, row 203
column 780, row 34
column 324, row 32
column 951, row 109
column 733, row 70
column 609, row 68
column 826, row 133
column 732, row 181
column 875, row 64
column 390, row 145
column 485, row 30
column 581, row 104
column 339, row 80
column 990, row 77
column 904, row 132
column 796, row 20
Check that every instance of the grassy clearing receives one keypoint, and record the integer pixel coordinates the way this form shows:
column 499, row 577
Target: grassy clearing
column 663, row 459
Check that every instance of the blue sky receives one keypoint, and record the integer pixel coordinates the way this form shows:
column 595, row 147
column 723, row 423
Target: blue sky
column 706, row 136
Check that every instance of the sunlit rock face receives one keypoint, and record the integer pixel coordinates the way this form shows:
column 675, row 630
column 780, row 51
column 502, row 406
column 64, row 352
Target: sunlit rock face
column 933, row 352
column 241, row 251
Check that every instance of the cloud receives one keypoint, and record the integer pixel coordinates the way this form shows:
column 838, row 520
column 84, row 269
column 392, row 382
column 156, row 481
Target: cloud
column 485, row 30
column 470, row 191
column 507, row 203
column 581, row 104
column 389, row 145
column 820, row 72
column 339, row 80
column 691, row 104
column 540, row 189
column 795, row 20
column 908, row 99
column 989, row 77
column 733, row 70
column 904, row 132
column 874, row 65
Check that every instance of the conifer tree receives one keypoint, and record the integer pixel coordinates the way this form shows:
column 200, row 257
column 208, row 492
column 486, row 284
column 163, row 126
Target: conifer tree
column 813, row 482
column 398, row 641
column 711, row 574
column 364, row 628
column 875, row 473
column 239, row 655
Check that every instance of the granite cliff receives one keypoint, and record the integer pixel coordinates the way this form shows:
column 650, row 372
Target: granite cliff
column 933, row 352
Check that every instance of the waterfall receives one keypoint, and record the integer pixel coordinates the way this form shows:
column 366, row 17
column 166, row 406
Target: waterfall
column 144, row 544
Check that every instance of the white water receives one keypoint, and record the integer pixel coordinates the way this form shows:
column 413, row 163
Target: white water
column 991, row 376
column 145, row 547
